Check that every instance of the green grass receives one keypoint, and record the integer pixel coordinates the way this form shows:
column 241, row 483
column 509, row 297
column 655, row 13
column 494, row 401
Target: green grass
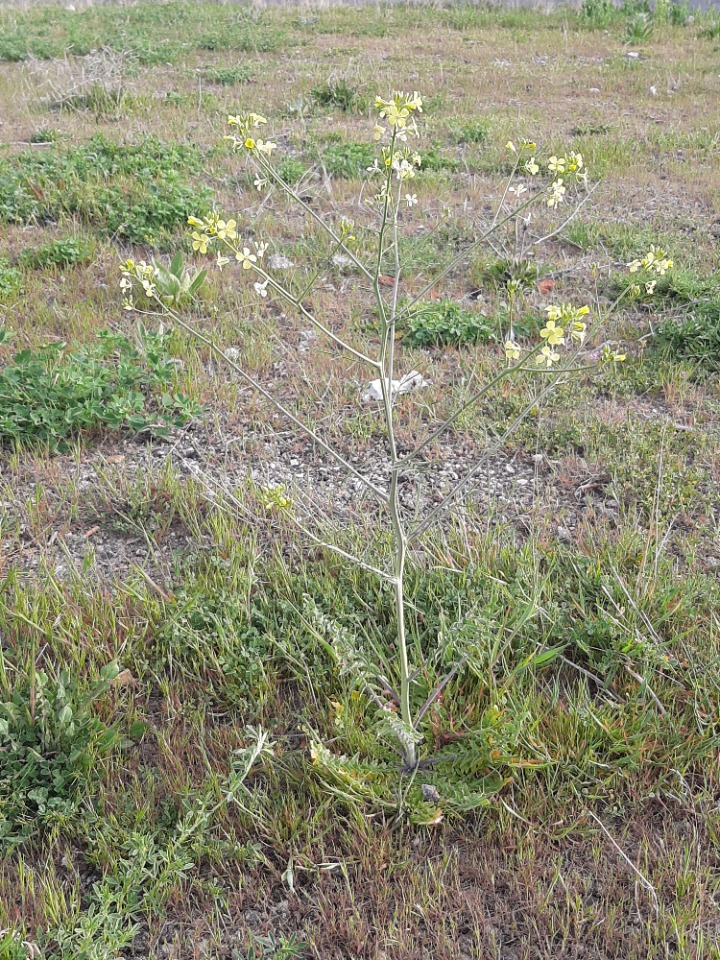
column 49, row 396
column 10, row 281
column 152, row 35
column 58, row 253
column 52, row 747
column 133, row 192
column 227, row 76
column 445, row 323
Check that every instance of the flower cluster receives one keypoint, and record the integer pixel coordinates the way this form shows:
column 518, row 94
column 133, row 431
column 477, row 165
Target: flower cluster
column 564, row 326
column 140, row 274
column 557, row 193
column 526, row 146
column 567, row 317
column 563, row 169
column 246, row 137
column 398, row 114
column 213, row 228
column 404, row 162
column 655, row 261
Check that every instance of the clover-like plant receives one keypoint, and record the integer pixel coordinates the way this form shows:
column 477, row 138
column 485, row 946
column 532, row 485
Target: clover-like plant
column 558, row 183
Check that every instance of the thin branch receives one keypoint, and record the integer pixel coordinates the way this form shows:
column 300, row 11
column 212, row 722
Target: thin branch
column 643, row 880
column 643, row 683
column 578, row 208
column 209, row 480
column 268, row 168
column 468, row 250
column 256, row 385
column 458, row 413
column 295, row 302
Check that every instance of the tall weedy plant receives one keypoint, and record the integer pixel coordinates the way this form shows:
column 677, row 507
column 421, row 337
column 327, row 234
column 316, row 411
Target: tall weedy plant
column 559, row 184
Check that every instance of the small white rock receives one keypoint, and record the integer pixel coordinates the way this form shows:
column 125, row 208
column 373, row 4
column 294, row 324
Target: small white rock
column 278, row 262
column 411, row 381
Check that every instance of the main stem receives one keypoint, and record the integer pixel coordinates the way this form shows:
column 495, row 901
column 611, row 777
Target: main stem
column 387, row 362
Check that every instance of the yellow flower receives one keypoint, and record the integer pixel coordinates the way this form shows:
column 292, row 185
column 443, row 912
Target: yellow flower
column 250, row 143
column 246, row 258
column 226, row 230
column 578, row 331
column 511, row 146
column 552, row 333
column 266, row 146
column 557, row 164
column 378, row 132
column 415, row 102
column 547, row 357
column 655, row 260
column 512, row 350
column 526, row 144
column 554, row 313
column 532, row 168
column 200, row 241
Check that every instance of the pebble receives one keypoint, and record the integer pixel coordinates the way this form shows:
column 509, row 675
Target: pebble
column 278, row 262
column 341, row 261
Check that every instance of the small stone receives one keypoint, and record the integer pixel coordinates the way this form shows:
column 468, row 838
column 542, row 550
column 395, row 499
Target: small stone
column 430, row 793
column 278, row 262
column 306, row 339
column 564, row 535
column 341, row 261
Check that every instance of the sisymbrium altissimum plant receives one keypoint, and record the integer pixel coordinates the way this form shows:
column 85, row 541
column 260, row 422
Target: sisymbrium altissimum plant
column 558, row 183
